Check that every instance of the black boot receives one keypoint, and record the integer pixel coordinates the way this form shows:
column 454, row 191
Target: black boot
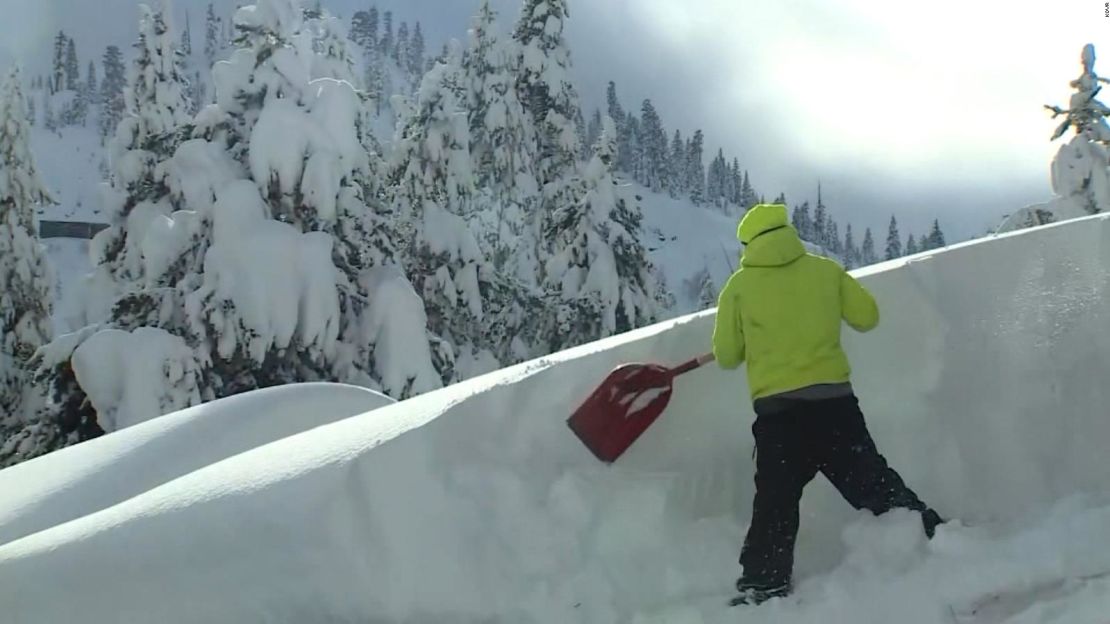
column 755, row 594
column 931, row 520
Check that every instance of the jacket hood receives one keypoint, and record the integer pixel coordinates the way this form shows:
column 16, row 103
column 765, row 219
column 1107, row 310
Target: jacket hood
column 768, row 238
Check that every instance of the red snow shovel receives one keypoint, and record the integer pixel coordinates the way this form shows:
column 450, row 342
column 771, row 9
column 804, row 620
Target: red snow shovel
column 625, row 405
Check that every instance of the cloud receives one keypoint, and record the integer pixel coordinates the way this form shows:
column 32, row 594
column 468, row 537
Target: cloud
column 925, row 110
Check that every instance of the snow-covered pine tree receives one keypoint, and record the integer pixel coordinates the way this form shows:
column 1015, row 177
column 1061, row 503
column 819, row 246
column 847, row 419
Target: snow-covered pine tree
column 748, row 196
column 212, row 44
column 911, row 246
column 851, row 252
column 1080, row 175
column 819, row 229
column 593, row 128
column 502, row 138
column 49, row 121
column 617, row 113
column 112, row 105
column 157, row 111
column 372, row 25
column 654, row 141
column 613, row 103
column 72, row 66
column 732, row 183
column 25, row 276
column 360, row 30
column 801, row 220
column 580, row 129
column 715, row 179
column 78, row 110
column 187, row 37
column 598, row 272
column 400, row 51
column 867, row 252
column 31, row 116
column 677, row 166
column 736, row 184
column 695, row 168
column 333, row 58
column 91, row 88
column 936, row 236
column 893, row 241
column 270, row 269
column 635, row 147
column 306, row 144
column 444, row 53
column 58, row 77
column 385, row 43
column 835, row 246
column 546, row 90
column 376, row 79
column 725, row 193
column 416, row 51
column 1087, row 116
column 723, row 174
column 432, row 185
column 712, row 184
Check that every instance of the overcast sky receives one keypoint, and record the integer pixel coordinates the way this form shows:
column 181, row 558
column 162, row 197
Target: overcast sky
column 924, row 110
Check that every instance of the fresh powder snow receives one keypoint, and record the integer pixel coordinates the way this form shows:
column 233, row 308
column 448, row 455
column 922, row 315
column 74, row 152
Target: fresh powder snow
column 475, row 503
column 86, row 478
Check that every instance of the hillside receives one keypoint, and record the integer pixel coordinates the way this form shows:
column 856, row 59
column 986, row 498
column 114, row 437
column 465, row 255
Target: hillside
column 682, row 239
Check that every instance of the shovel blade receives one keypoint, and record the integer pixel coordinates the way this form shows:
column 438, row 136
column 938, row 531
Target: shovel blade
column 622, row 408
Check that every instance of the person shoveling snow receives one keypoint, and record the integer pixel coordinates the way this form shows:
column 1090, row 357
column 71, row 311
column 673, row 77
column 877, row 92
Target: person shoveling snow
column 781, row 312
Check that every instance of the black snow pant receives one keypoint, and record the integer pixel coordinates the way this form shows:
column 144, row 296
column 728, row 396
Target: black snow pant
column 792, row 446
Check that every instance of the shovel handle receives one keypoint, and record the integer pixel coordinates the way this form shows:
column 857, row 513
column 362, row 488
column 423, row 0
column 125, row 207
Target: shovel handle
column 693, row 364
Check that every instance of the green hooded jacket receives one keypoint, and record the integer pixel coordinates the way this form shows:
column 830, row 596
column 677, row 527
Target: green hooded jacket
column 781, row 312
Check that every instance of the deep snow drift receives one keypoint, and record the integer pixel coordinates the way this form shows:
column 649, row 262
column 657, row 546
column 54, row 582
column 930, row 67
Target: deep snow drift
column 82, row 479
column 984, row 386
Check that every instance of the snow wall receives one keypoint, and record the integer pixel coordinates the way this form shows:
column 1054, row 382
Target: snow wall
column 985, row 386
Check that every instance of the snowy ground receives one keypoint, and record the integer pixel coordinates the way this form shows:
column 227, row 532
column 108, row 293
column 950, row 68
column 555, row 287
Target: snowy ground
column 984, row 386
column 86, row 478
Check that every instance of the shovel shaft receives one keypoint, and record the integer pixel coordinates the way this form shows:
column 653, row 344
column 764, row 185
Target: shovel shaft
column 693, row 364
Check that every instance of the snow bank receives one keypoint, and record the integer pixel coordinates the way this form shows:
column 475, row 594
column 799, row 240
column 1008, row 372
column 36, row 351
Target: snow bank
column 97, row 474
column 984, row 386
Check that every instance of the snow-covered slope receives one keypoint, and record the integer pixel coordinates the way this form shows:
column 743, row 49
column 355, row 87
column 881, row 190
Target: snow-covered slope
column 985, row 386
column 683, row 239
column 86, row 478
